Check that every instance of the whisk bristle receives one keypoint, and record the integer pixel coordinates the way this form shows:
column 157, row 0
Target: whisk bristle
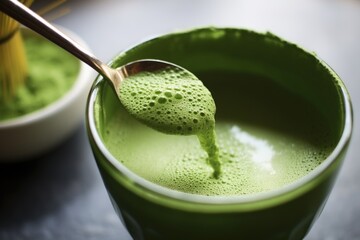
column 13, row 65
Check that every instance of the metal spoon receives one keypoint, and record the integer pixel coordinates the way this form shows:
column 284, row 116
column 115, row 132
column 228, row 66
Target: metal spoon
column 27, row 17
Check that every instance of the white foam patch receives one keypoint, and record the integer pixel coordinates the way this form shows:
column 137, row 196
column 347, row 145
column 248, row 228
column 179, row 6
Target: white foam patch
column 261, row 151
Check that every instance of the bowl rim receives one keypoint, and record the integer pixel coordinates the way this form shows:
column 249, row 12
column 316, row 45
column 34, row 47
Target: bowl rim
column 248, row 202
column 81, row 82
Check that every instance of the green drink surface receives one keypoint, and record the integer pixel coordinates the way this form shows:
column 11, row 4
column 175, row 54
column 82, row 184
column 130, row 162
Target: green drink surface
column 267, row 138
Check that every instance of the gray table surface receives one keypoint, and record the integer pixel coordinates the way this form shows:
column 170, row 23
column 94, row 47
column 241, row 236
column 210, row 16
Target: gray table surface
column 61, row 196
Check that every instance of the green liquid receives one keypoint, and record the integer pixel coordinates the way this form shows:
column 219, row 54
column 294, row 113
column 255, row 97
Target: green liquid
column 173, row 101
column 267, row 137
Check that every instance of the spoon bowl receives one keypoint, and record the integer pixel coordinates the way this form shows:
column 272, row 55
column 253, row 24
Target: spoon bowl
column 136, row 67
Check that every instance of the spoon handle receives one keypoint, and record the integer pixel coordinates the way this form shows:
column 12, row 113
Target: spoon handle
column 27, row 17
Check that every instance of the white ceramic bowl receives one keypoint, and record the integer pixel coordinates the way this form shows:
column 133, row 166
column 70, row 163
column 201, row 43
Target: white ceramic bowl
column 30, row 135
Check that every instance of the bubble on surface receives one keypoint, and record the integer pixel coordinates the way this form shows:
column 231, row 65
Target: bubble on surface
column 168, row 94
column 162, row 100
column 178, row 96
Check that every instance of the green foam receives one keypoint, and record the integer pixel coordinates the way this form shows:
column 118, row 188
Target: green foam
column 260, row 147
column 173, row 101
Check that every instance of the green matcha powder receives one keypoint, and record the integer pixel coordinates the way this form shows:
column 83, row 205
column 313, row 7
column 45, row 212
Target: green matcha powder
column 52, row 72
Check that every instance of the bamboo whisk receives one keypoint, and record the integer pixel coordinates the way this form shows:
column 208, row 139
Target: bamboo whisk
column 13, row 65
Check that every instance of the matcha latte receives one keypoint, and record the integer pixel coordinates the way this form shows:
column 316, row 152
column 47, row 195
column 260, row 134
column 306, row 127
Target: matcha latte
column 283, row 123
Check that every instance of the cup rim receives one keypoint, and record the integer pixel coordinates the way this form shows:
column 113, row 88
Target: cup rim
column 245, row 202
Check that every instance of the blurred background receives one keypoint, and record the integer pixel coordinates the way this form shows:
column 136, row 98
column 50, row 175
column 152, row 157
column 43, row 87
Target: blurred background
column 61, row 195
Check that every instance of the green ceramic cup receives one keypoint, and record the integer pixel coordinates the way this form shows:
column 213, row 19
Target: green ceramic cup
column 153, row 212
